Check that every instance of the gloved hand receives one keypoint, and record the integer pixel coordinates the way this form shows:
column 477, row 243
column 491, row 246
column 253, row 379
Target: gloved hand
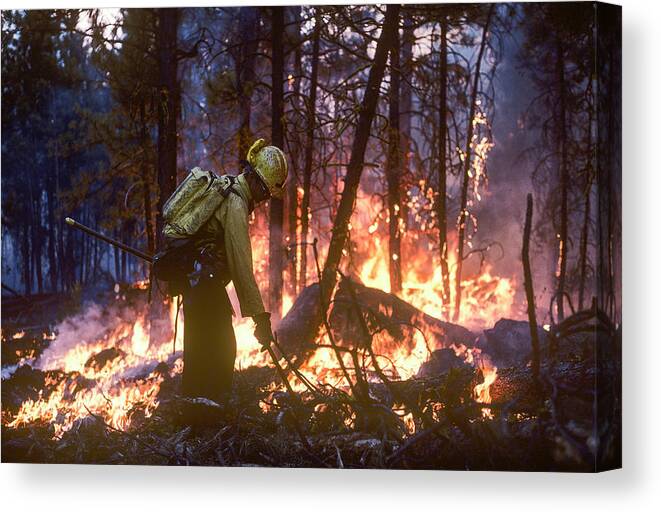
column 263, row 331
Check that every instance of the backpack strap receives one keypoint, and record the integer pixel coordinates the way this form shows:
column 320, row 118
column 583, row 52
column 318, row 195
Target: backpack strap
column 230, row 188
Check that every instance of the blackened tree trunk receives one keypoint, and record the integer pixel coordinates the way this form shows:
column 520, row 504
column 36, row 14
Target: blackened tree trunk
column 65, row 281
column 244, row 65
column 309, row 152
column 587, row 194
column 37, row 235
column 393, row 170
column 98, row 254
column 146, row 180
column 355, row 165
column 81, row 242
column 126, row 238
column 293, row 248
column 116, row 258
column 463, row 210
column 609, row 175
column 293, row 49
column 583, row 257
column 168, row 108
column 52, row 241
column 27, row 266
column 276, row 210
column 407, row 65
column 166, row 38
column 441, row 200
column 530, row 291
column 564, row 181
column 160, row 327
column 69, row 252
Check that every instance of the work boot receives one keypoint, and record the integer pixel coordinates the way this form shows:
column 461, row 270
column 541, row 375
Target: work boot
column 201, row 411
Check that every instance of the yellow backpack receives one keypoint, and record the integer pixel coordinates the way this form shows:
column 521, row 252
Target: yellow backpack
column 193, row 203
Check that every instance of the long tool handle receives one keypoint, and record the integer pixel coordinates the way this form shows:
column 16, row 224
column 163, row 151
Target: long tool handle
column 295, row 397
column 108, row 240
column 281, row 372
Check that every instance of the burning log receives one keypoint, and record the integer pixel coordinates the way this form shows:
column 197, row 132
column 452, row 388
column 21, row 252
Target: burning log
column 384, row 312
column 388, row 312
column 298, row 329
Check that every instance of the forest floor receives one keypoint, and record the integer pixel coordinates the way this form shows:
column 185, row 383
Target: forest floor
column 427, row 422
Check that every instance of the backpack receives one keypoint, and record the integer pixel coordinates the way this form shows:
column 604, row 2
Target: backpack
column 191, row 205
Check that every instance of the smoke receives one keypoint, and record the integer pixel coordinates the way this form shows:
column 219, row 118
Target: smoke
column 119, row 321
column 84, row 329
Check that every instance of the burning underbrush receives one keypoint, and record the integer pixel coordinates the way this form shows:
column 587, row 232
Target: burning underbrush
column 383, row 385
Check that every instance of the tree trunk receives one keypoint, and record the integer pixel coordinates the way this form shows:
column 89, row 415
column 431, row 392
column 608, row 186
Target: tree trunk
column 355, row 165
column 37, row 251
column 406, row 105
column 168, row 108
column 441, row 200
column 81, row 242
column 117, row 268
column 393, row 169
column 62, row 263
column 37, row 233
column 95, row 257
column 27, row 266
column 585, row 229
column 69, row 252
column 146, row 180
column 612, row 177
column 564, row 183
column 125, row 240
column 52, row 232
column 463, row 210
column 530, row 292
column 583, row 258
column 276, row 210
column 244, row 65
column 160, row 327
column 309, row 151
column 293, row 249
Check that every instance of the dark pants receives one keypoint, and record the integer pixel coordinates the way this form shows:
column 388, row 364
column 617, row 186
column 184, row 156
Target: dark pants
column 209, row 342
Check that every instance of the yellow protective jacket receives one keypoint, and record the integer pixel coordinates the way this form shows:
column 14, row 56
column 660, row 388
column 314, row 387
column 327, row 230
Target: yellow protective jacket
column 228, row 226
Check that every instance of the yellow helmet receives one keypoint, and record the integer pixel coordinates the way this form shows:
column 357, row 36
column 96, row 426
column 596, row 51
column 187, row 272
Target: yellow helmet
column 270, row 164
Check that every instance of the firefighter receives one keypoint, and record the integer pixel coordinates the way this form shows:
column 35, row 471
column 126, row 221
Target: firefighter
column 224, row 253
